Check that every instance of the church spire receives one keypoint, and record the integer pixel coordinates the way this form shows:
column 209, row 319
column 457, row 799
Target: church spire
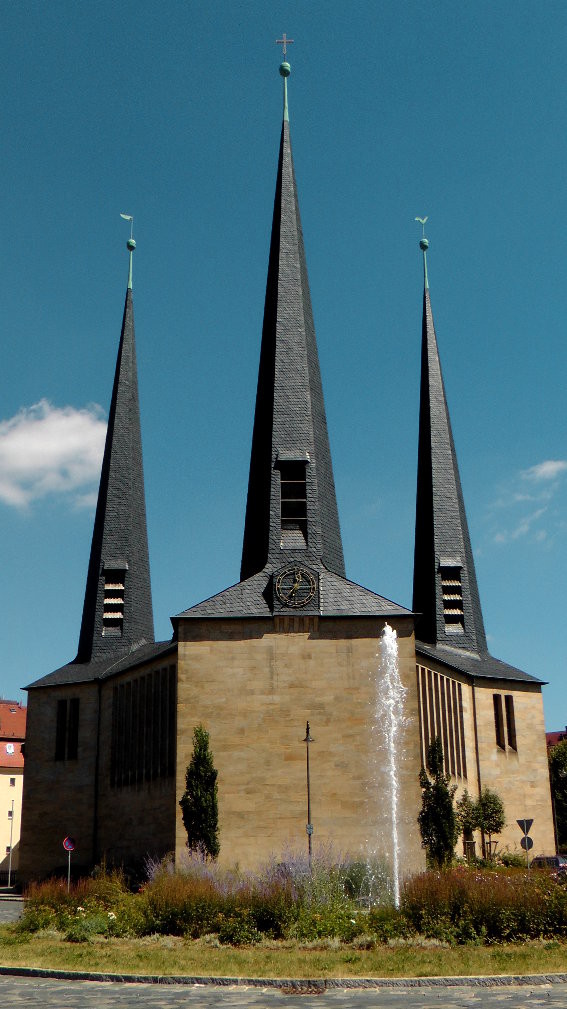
column 445, row 591
column 117, row 612
column 291, row 510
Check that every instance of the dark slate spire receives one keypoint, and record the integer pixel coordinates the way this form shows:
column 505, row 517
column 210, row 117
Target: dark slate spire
column 445, row 591
column 117, row 612
column 290, row 444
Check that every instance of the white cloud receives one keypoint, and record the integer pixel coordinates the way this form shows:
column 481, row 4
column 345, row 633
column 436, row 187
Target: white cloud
column 548, row 470
column 523, row 528
column 47, row 450
column 532, row 511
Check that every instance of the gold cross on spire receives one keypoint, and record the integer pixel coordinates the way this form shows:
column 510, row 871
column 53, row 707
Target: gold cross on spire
column 285, row 42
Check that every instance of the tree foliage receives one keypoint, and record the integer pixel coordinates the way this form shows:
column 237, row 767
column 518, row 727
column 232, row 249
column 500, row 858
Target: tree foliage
column 467, row 815
column 491, row 816
column 558, row 778
column 485, row 814
column 437, row 819
column 199, row 802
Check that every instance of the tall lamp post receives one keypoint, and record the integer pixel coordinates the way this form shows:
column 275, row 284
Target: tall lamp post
column 309, row 828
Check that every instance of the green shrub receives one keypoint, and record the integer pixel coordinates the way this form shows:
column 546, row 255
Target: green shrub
column 512, row 860
column 35, row 918
column 239, row 928
column 387, row 922
column 327, row 921
column 84, row 927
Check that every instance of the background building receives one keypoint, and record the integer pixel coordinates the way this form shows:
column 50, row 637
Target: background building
column 12, row 739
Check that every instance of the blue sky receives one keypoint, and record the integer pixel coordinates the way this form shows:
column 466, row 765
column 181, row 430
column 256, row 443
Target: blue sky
column 172, row 112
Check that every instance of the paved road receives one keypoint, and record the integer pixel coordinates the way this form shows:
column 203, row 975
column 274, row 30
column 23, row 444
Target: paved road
column 10, row 909
column 40, row 992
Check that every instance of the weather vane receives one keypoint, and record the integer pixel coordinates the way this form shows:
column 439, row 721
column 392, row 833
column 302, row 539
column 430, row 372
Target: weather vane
column 422, row 221
column 285, row 42
column 128, row 217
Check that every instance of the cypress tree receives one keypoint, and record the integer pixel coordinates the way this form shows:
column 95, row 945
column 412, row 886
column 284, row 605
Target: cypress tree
column 199, row 802
column 437, row 819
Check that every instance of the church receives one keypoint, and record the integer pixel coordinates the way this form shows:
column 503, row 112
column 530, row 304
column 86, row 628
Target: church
column 110, row 734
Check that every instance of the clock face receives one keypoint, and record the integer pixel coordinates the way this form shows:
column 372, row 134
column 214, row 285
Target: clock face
column 295, row 586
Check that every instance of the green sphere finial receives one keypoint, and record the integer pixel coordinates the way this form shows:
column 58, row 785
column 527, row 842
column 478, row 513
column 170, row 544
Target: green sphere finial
column 424, row 244
column 285, row 69
column 130, row 245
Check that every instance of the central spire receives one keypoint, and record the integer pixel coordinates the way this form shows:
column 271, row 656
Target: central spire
column 291, row 510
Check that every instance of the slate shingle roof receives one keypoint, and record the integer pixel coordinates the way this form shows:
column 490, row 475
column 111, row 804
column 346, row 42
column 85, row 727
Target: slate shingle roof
column 442, row 535
column 289, row 421
column 105, row 667
column 119, row 534
column 441, row 529
column 337, row 597
column 482, row 666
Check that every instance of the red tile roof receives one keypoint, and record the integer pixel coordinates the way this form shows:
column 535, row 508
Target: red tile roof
column 12, row 733
column 11, row 754
column 553, row 738
column 12, row 720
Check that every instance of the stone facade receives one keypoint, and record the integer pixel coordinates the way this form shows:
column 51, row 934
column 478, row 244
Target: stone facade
column 520, row 776
column 253, row 685
column 60, row 795
column 515, row 767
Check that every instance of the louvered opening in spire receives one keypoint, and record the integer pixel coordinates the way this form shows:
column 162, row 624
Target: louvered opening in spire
column 290, row 443
column 445, row 591
column 117, row 612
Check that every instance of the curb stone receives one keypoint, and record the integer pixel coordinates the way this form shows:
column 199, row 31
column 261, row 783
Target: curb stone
column 315, row 985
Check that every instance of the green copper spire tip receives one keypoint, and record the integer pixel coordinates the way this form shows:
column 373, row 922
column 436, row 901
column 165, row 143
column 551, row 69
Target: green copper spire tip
column 424, row 245
column 130, row 245
column 285, row 71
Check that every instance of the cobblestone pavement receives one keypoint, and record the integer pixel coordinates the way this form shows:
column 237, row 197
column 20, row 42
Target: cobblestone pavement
column 36, row 992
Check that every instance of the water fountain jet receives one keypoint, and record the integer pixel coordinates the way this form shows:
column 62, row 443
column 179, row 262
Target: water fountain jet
column 387, row 727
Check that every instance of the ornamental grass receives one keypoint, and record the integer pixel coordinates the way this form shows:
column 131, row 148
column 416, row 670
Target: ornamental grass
column 290, row 900
column 472, row 905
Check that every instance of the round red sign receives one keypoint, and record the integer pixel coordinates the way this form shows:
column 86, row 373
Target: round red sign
column 69, row 844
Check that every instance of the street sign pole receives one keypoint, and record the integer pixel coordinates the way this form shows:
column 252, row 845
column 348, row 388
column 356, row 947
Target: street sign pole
column 11, row 836
column 526, row 842
column 69, row 845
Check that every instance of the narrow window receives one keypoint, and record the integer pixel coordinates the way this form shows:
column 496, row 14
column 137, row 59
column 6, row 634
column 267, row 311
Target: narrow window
column 67, row 729
column 499, row 721
column 510, row 721
column 8, row 849
column 293, row 504
column 73, row 729
column 452, row 592
column 462, row 731
column 12, row 782
column 61, row 730
column 10, row 814
column 113, row 606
